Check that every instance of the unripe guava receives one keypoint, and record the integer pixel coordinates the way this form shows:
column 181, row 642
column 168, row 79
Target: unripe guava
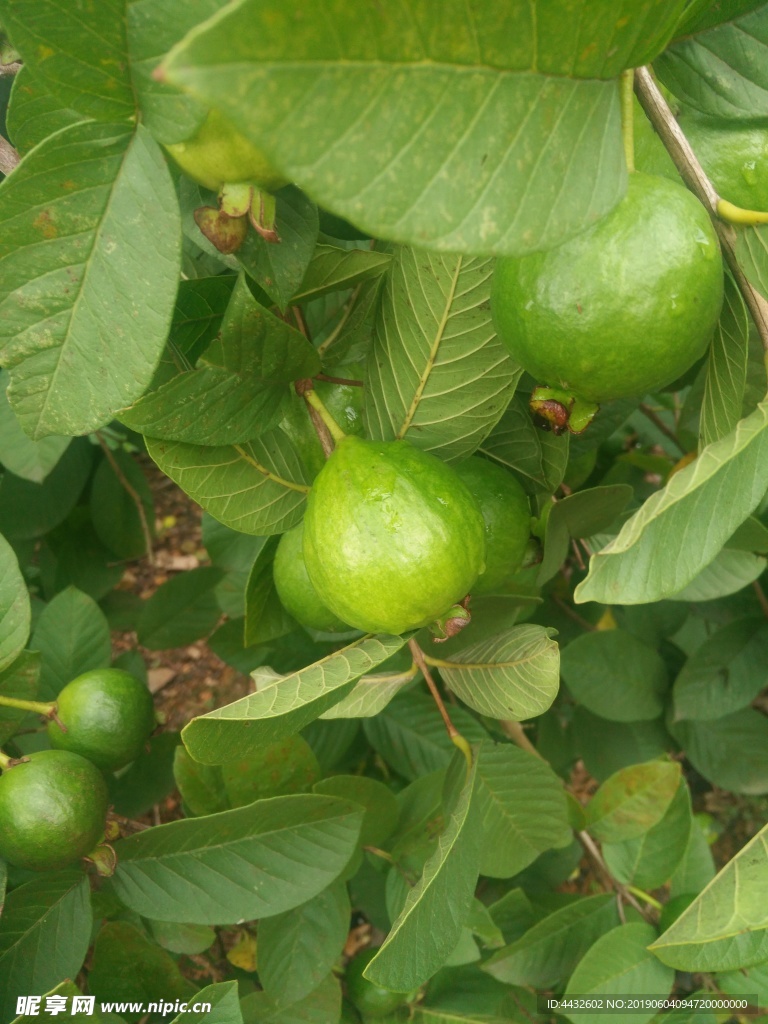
column 392, row 536
column 294, row 587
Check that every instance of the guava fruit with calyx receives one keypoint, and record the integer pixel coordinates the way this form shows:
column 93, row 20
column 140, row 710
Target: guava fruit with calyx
column 621, row 309
column 294, row 587
column 218, row 154
column 108, row 715
column 506, row 513
column 392, row 536
column 53, row 808
column 369, row 998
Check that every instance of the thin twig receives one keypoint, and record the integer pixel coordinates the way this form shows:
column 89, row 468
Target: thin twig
column 301, row 323
column 9, row 70
column 418, row 657
column 659, row 423
column 596, row 857
column 692, row 173
column 133, row 495
column 567, row 610
column 9, row 156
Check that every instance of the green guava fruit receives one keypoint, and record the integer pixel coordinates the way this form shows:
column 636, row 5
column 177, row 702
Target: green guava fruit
column 294, row 587
column 218, row 155
column 52, row 810
column 370, row 999
column 507, row 516
column 622, row 309
column 109, row 716
column 392, row 537
column 734, row 157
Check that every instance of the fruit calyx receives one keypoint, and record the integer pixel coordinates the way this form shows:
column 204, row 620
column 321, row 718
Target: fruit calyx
column 558, row 410
column 452, row 622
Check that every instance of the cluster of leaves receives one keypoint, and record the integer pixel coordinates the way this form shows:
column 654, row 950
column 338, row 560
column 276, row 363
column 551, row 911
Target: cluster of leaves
column 334, row 786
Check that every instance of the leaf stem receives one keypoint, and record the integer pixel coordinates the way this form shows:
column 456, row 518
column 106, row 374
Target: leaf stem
column 596, row 857
column 290, row 484
column 7, row 762
column 659, row 423
column 306, row 389
column 737, row 215
column 133, row 494
column 684, row 159
column 455, row 736
column 47, row 708
column 645, row 897
column 516, row 733
column 626, row 100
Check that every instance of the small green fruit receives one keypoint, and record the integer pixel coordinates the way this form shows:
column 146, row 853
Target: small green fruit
column 507, row 516
column 734, row 157
column 219, row 155
column 109, row 716
column 294, row 587
column 370, row 999
column 52, row 810
column 392, row 536
column 622, row 309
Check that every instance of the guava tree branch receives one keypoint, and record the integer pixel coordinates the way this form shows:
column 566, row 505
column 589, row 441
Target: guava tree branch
column 669, row 131
column 9, row 156
column 9, row 70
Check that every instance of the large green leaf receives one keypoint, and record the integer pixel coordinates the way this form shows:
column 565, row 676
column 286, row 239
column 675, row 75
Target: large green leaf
column 72, row 636
column 649, row 860
column 522, row 808
column 28, row 510
column 437, row 373
column 429, row 926
column 728, row 572
column 632, row 800
column 725, row 674
column 548, row 952
column 89, row 275
column 182, row 610
column 19, row 680
column 332, row 269
column 27, row 459
column 79, row 51
column 464, row 129
column 615, row 675
column 255, row 861
column 726, row 368
column 518, row 444
column 722, row 72
column 727, row 926
column 285, row 704
column 370, row 695
column 322, row 1006
column 731, row 751
column 514, row 675
column 298, row 949
column 608, row 746
column 15, row 613
column 752, row 254
column 256, row 488
column 128, row 966
column 221, row 1002
column 33, row 113
column 33, row 955
column 681, row 528
column 619, row 964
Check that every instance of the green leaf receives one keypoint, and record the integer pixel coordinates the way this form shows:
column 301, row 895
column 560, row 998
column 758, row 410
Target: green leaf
column 78, row 52
column 514, row 675
column 256, row 488
column 381, row 808
column 265, row 617
column 148, row 780
column 15, row 613
column 410, row 735
column 72, row 636
column 322, row 1006
column 608, row 746
column 731, row 751
column 275, row 769
column 680, row 529
column 437, row 373
column 615, row 675
column 223, row 1006
column 721, row 72
column 579, row 515
column 33, row 957
column 69, row 990
column 298, row 949
column 370, row 695
column 280, row 269
column 726, row 927
column 29, row 460
column 33, row 113
column 89, row 275
column 200, row 307
column 431, row 137
column 20, row 680
column 252, row 862
column 429, row 925
column 619, row 963
column 28, row 510
column 332, row 269
column 725, row 674
column 284, row 705
column 697, row 868
column 518, row 444
column 752, row 254
column 182, row 938
column 548, row 952
column 114, row 514
column 726, row 368
column 650, row 860
column 632, row 801
column 522, row 807
column 130, row 967
column 181, row 611
column 727, row 573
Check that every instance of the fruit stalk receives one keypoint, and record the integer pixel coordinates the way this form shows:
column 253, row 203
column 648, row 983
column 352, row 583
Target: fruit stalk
column 326, row 427
column 46, row 708
column 692, row 173
column 7, row 762
column 456, row 738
